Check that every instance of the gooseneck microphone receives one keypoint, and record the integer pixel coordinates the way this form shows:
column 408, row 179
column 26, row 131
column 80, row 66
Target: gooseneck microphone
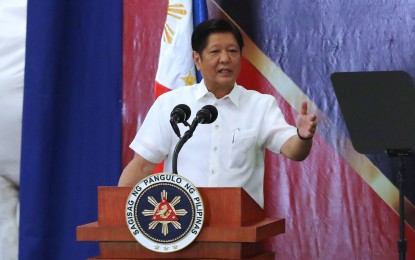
column 180, row 114
column 205, row 115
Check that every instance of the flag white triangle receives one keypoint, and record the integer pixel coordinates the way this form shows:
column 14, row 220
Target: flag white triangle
column 176, row 67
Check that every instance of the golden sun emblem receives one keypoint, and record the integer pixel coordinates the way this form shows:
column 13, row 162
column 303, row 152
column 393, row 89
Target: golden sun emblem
column 176, row 11
column 164, row 213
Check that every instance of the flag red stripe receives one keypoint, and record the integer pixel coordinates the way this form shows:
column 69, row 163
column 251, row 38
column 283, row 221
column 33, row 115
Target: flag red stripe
column 159, row 89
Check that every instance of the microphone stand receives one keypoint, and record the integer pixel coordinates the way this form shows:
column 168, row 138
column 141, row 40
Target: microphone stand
column 187, row 135
column 401, row 153
column 206, row 115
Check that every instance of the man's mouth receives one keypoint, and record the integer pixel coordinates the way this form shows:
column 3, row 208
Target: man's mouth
column 225, row 70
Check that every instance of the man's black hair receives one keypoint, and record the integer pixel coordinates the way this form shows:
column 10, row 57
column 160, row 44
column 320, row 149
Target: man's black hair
column 203, row 30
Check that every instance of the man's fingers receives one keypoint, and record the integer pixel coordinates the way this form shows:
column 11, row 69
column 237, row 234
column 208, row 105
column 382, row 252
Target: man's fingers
column 304, row 108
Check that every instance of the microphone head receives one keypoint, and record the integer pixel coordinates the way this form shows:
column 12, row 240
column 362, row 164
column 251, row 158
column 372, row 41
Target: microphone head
column 207, row 114
column 181, row 113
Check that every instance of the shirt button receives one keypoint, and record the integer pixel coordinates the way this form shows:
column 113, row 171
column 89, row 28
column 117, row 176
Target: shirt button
column 215, row 148
column 216, row 126
column 213, row 172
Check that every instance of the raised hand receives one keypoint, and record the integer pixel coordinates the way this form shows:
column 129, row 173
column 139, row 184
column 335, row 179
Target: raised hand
column 306, row 123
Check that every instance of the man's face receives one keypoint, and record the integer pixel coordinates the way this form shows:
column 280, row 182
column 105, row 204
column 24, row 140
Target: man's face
column 220, row 62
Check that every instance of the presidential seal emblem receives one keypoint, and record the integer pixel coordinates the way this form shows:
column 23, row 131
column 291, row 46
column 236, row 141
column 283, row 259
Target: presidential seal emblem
column 164, row 212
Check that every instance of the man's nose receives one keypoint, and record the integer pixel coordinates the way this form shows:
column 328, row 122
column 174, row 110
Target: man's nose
column 224, row 56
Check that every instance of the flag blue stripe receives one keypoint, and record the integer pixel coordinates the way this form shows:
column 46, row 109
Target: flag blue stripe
column 199, row 11
column 199, row 15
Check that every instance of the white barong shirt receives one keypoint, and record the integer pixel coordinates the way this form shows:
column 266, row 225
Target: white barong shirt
column 226, row 153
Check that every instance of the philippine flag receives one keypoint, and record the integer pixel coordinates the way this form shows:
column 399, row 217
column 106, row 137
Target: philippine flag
column 176, row 67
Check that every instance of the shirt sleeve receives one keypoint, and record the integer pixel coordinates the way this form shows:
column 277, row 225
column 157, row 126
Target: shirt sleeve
column 276, row 130
column 153, row 138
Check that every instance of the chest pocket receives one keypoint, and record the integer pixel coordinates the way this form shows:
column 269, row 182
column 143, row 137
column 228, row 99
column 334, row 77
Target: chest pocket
column 243, row 147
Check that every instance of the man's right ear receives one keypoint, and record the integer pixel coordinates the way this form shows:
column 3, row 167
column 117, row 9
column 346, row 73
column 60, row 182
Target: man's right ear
column 196, row 59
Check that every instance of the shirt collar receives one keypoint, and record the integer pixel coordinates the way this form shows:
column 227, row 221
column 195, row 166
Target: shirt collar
column 201, row 90
column 233, row 96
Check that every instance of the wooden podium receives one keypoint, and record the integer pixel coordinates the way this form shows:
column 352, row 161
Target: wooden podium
column 234, row 228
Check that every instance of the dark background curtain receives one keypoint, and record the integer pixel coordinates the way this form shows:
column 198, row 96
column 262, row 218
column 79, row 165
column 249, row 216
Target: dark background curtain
column 71, row 140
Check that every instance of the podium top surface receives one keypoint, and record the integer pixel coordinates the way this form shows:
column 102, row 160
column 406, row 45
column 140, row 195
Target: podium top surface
column 378, row 108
